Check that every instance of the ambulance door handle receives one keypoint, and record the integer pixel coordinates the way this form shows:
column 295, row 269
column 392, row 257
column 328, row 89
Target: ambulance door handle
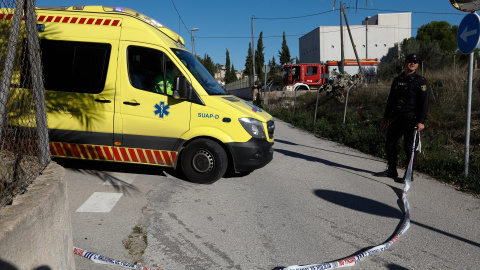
column 103, row 100
column 131, row 103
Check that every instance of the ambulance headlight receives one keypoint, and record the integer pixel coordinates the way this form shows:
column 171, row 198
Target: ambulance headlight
column 253, row 127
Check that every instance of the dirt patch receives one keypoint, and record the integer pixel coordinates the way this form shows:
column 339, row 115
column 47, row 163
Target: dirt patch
column 136, row 243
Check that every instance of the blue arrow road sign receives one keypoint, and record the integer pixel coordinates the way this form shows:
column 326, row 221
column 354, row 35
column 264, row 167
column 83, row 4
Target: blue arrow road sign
column 468, row 35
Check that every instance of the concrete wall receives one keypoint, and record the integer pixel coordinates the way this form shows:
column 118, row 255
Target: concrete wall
column 35, row 231
column 384, row 31
column 243, row 93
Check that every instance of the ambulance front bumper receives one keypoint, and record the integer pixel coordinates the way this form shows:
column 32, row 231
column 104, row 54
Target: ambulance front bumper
column 251, row 155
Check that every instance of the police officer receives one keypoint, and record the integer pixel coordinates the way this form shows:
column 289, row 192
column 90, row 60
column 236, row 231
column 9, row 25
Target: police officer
column 255, row 88
column 407, row 108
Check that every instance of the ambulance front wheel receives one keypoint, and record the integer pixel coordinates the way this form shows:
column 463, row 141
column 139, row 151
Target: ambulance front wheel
column 204, row 161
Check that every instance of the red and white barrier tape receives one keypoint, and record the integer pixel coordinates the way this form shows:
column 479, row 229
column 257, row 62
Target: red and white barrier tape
column 377, row 249
column 104, row 260
column 329, row 265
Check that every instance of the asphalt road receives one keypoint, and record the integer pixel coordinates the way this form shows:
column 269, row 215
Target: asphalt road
column 317, row 201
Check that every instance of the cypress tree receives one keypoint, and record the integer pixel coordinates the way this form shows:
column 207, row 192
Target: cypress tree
column 259, row 58
column 284, row 54
column 249, row 61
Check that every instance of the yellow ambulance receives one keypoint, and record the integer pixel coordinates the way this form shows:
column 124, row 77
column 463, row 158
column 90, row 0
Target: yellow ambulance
column 122, row 87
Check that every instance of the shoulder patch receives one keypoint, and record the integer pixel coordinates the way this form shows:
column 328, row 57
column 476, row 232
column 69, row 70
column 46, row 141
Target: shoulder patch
column 424, row 88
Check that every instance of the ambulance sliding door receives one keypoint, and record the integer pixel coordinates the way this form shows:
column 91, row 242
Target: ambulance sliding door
column 80, row 91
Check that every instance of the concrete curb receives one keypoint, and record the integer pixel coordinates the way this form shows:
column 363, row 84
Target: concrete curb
column 36, row 231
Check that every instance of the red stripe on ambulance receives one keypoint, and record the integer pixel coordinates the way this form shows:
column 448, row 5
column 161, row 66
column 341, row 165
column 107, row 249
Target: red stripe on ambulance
column 59, row 149
column 159, row 157
column 111, row 153
column 151, row 159
column 99, row 152
column 108, row 152
column 141, row 156
column 133, row 155
column 83, row 151
column 117, row 154
column 124, row 154
column 167, row 158
column 74, row 20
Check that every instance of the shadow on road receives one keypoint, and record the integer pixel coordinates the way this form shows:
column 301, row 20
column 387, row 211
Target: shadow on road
column 369, row 206
column 104, row 170
column 320, row 160
column 7, row 266
column 321, row 149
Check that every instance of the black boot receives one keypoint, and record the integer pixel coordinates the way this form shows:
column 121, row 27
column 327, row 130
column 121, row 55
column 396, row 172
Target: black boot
column 392, row 173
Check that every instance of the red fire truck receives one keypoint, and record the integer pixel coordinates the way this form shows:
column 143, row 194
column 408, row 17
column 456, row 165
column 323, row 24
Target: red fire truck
column 312, row 76
column 304, row 76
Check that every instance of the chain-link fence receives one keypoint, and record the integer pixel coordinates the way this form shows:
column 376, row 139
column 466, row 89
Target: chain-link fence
column 23, row 129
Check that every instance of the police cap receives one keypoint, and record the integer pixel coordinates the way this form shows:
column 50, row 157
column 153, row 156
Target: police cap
column 412, row 57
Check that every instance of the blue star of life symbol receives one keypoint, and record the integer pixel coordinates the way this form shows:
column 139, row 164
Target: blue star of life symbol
column 162, row 109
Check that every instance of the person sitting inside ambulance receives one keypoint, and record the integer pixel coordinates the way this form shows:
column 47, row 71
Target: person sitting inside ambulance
column 159, row 86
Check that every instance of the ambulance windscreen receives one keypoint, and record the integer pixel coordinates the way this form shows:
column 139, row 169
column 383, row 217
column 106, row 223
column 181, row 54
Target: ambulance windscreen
column 199, row 72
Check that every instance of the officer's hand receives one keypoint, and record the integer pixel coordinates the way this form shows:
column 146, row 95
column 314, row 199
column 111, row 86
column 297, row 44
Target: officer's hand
column 420, row 127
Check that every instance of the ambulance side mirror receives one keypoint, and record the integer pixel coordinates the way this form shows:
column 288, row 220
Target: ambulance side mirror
column 183, row 88
column 466, row 5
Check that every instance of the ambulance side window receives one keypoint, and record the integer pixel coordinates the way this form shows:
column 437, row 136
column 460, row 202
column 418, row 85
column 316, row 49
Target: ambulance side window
column 75, row 66
column 147, row 69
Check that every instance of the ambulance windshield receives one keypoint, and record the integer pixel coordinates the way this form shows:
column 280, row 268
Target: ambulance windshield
column 199, row 72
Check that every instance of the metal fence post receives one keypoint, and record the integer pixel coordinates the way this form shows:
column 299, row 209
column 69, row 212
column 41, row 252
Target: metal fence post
column 37, row 81
column 9, row 63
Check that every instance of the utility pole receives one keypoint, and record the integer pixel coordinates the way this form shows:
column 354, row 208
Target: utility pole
column 193, row 40
column 342, row 61
column 353, row 43
column 366, row 38
column 253, row 51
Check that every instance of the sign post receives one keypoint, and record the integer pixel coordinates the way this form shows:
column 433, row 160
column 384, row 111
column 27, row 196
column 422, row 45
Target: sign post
column 468, row 37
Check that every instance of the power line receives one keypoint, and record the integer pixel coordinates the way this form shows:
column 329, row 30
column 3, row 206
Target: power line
column 250, row 37
column 296, row 17
column 328, row 31
column 368, row 9
column 180, row 17
column 420, row 12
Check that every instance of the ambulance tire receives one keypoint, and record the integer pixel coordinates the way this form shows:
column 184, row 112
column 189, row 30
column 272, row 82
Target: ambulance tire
column 204, row 161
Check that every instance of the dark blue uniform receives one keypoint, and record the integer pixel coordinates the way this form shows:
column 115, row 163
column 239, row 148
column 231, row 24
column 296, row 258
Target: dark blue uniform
column 407, row 105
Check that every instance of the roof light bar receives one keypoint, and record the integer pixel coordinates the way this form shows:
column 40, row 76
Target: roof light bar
column 134, row 13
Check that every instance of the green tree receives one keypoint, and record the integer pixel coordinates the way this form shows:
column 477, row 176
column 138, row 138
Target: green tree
column 274, row 69
column 233, row 74
column 431, row 55
column 259, row 58
column 440, row 32
column 249, row 61
column 209, row 65
column 284, row 54
column 230, row 75
column 228, row 68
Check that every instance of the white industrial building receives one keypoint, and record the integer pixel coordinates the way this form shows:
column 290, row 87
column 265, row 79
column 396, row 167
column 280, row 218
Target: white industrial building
column 372, row 39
